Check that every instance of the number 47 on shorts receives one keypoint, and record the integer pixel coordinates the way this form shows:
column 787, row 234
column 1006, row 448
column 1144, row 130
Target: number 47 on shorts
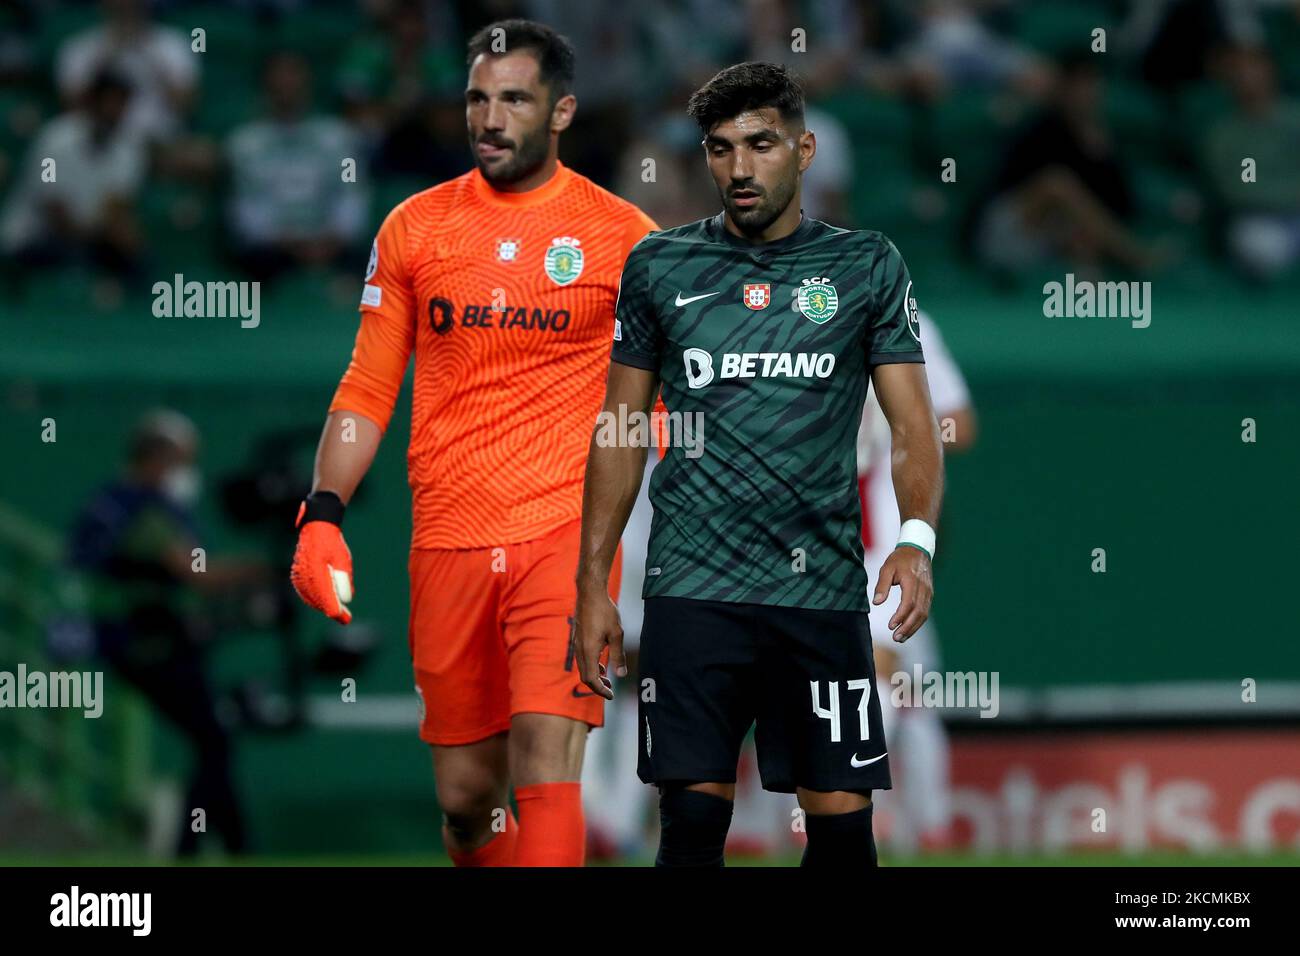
column 832, row 713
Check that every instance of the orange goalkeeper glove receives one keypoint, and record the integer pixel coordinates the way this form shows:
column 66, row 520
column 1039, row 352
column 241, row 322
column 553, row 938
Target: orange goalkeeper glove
column 322, row 563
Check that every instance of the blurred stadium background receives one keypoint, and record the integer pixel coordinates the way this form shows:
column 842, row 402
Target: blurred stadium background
column 1121, row 689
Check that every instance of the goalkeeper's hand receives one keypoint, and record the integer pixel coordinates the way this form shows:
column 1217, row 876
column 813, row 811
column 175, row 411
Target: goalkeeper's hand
column 322, row 563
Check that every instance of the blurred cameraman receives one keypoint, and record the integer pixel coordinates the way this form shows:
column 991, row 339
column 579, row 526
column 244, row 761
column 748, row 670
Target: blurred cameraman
column 135, row 543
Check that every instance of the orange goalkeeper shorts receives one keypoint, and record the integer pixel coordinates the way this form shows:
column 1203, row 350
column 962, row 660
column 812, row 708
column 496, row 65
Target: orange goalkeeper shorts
column 489, row 636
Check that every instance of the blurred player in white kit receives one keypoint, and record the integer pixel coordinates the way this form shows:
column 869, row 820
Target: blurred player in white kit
column 916, row 814
column 616, row 803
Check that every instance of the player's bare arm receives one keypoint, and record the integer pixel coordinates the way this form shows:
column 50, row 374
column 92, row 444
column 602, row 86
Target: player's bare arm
column 917, row 463
column 612, row 481
column 347, row 448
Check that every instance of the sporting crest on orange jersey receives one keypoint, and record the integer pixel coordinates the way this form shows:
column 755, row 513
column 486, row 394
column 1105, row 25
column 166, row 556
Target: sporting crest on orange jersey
column 564, row 260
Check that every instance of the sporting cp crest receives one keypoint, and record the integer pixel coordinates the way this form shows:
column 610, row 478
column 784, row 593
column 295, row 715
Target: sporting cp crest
column 758, row 295
column 818, row 299
column 563, row 260
column 507, row 249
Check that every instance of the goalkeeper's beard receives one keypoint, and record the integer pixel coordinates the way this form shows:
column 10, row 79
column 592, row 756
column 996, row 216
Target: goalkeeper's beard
column 528, row 156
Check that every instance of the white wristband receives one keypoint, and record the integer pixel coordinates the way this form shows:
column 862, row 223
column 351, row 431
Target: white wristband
column 918, row 534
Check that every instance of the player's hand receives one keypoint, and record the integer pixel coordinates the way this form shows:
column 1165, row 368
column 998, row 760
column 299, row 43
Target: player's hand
column 322, row 563
column 596, row 624
column 909, row 568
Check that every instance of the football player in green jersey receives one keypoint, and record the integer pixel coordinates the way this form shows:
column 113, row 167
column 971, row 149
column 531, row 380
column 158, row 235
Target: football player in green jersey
column 766, row 326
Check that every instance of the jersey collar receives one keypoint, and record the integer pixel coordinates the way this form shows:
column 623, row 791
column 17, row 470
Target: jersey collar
column 547, row 190
column 718, row 229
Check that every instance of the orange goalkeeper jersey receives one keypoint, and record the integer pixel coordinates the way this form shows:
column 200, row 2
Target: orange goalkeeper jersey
column 507, row 300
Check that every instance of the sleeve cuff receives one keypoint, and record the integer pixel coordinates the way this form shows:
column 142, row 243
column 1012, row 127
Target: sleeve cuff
column 647, row 362
column 350, row 398
column 897, row 358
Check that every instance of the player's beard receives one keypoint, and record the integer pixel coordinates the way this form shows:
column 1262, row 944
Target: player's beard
column 528, row 156
column 753, row 220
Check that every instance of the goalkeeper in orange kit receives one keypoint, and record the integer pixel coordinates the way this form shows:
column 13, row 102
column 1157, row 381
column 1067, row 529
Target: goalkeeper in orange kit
column 503, row 283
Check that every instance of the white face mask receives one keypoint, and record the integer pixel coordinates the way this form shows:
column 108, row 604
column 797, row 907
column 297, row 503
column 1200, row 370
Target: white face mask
column 181, row 484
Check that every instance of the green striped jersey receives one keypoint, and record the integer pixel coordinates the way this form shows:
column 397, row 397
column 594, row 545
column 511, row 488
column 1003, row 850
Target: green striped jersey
column 768, row 350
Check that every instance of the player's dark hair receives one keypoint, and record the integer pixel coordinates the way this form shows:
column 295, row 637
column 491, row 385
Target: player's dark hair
column 747, row 86
column 555, row 57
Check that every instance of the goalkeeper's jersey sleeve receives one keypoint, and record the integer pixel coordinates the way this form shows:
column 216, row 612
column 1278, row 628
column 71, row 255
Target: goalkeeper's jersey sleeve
column 506, row 301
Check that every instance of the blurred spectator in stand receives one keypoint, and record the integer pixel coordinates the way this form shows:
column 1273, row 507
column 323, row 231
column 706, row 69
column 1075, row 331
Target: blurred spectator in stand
column 1263, row 215
column 395, row 85
column 155, row 60
column 1061, row 191
column 682, row 56
column 290, row 206
column 662, row 168
column 18, row 41
column 74, row 199
column 614, row 76
column 952, row 48
column 1175, row 40
column 163, row 72
column 20, row 83
column 825, row 56
column 844, row 43
column 473, row 15
column 872, row 32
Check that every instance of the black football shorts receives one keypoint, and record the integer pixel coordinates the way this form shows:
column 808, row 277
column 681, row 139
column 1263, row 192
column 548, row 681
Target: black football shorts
column 710, row 670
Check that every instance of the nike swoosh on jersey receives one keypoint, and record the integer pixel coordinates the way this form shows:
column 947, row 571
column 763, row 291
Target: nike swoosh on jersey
column 862, row 763
column 694, row 298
